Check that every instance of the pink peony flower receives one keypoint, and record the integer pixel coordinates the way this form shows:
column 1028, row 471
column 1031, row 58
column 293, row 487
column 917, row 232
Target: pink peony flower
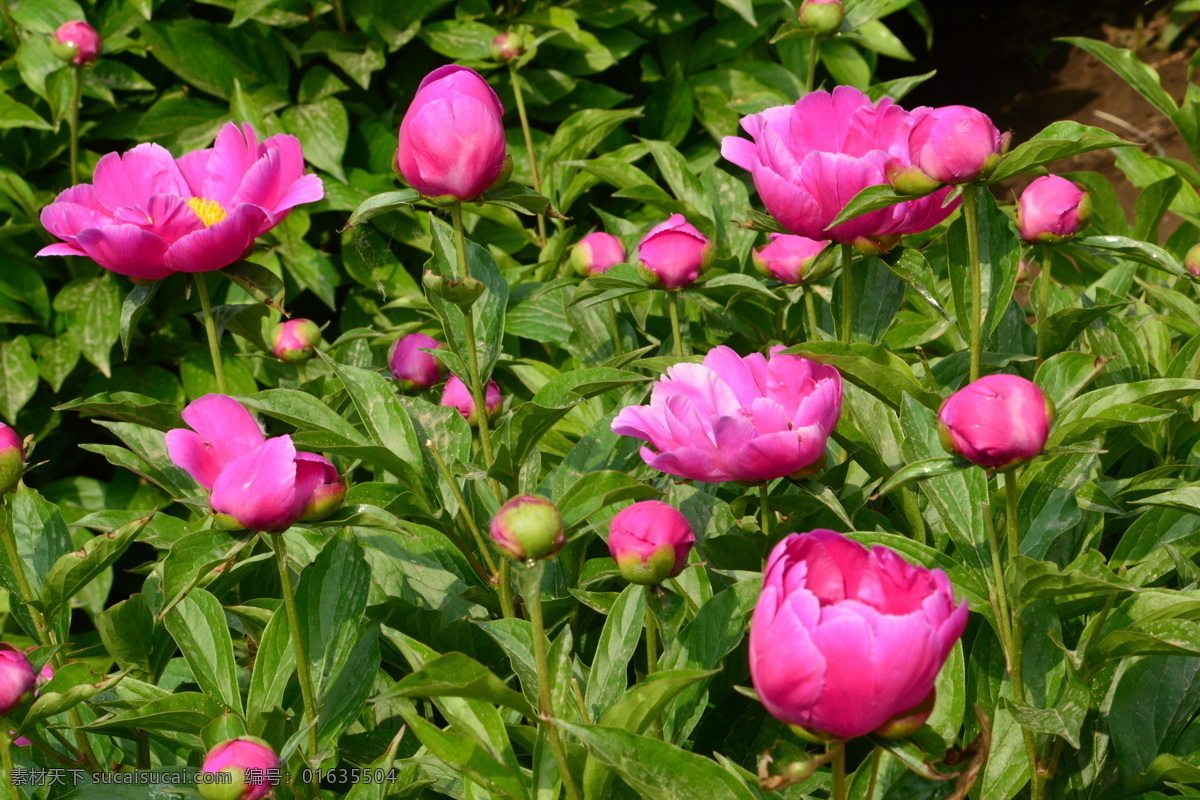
column 238, row 757
column 810, row 159
column 597, row 253
column 844, row 639
column 737, row 419
column 1052, row 209
column 452, row 136
column 787, row 258
column 674, row 254
column 650, row 542
column 146, row 214
column 954, row 144
column 17, row 678
column 12, row 459
column 412, row 368
column 458, row 395
column 254, row 482
column 77, row 42
column 997, row 422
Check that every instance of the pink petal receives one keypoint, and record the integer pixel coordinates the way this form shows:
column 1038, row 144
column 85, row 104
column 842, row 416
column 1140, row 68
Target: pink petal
column 131, row 178
column 61, row 250
column 126, row 250
column 219, row 246
column 739, row 151
column 188, row 451
column 66, row 219
column 259, row 488
column 276, row 181
column 787, row 669
column 225, row 424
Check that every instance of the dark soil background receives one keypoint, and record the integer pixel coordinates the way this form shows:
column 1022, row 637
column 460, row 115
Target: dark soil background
column 1001, row 57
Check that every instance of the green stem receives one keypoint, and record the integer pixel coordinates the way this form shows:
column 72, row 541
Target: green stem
column 504, row 583
column 1016, row 643
column 301, row 374
column 6, row 759
column 839, row 770
column 764, row 505
column 519, row 96
column 339, row 12
column 303, row 671
column 478, row 381
column 1043, row 313
column 45, row 636
column 210, row 327
column 810, row 308
column 143, row 750
column 73, row 119
column 618, row 348
column 1000, row 599
column 971, row 218
column 878, row 759
column 673, row 303
column 651, row 638
column 810, row 76
column 847, row 293
column 531, row 587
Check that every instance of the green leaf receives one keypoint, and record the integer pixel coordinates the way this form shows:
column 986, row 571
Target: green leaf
column 322, row 128
column 132, row 309
column 619, row 639
column 1139, row 75
column 521, row 199
column 872, row 198
column 467, row 756
column 912, row 268
column 258, row 281
column 76, row 570
column 381, row 204
column 872, row 368
column 69, row 687
column 331, row 596
column 1056, row 141
column 999, row 255
column 457, row 675
column 658, row 770
column 1153, row 701
column 928, row 468
column 197, row 624
column 274, row 664
column 1087, row 575
column 182, row 712
column 1122, row 247
column 19, row 115
column 18, row 377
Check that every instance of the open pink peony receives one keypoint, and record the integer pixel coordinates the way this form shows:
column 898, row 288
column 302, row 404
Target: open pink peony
column 844, row 638
column 147, row 214
column 809, row 160
column 737, row 419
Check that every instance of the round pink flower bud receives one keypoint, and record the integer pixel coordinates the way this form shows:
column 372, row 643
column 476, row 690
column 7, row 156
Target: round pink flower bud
column 17, row 679
column 674, row 254
column 528, row 527
column 787, row 258
column 12, row 459
column 45, row 674
column 955, row 144
column 844, row 639
column 1052, row 210
column 597, row 253
column 508, row 47
column 452, row 136
column 412, row 368
column 328, row 488
column 458, row 395
column 822, row 16
column 997, row 422
column 295, row 341
column 238, row 757
column 1192, row 261
column 650, row 542
column 77, row 42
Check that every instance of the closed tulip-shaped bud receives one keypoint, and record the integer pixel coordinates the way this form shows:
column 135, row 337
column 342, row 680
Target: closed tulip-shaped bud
column 998, row 422
column 1192, row 261
column 452, row 136
column 17, row 679
column 412, row 368
column 596, row 254
column 76, row 42
column 955, row 144
column 650, row 542
column 844, row 639
column 12, row 459
column 325, row 488
column 295, row 341
column 787, row 258
column 507, row 47
column 457, row 395
column 822, row 16
column 1052, row 210
column 528, row 527
column 248, row 762
column 674, row 254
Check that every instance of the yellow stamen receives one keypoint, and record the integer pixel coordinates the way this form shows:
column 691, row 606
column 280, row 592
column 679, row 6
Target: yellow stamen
column 209, row 211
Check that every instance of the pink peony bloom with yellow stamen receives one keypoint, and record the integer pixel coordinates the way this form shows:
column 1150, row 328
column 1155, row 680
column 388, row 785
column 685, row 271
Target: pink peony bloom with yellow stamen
column 147, row 214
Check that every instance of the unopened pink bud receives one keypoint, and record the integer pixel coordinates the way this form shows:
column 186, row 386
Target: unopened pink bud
column 17, row 679
column 674, row 254
column 998, row 422
column 412, row 368
column 650, row 542
column 1052, row 210
column 76, row 42
column 295, row 341
column 457, row 395
column 507, row 47
column 252, row 767
column 597, row 253
column 12, row 459
column 788, row 258
column 528, row 527
column 955, row 144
